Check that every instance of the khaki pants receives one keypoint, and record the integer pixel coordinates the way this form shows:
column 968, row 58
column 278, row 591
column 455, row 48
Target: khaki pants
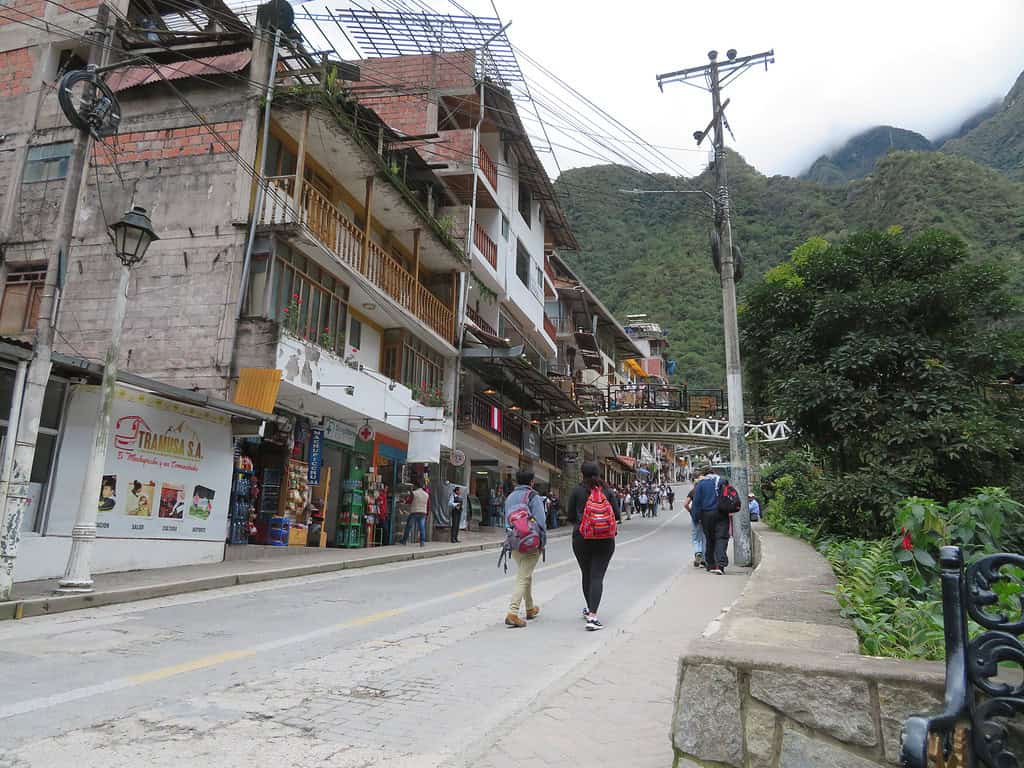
column 524, row 580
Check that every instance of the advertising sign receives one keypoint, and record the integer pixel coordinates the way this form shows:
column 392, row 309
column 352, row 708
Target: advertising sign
column 531, row 443
column 339, row 432
column 168, row 468
column 316, row 443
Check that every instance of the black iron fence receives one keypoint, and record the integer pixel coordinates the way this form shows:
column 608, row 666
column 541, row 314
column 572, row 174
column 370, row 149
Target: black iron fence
column 984, row 690
column 711, row 403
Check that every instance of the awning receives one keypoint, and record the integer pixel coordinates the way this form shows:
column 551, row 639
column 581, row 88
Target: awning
column 635, row 367
column 522, row 383
column 131, row 77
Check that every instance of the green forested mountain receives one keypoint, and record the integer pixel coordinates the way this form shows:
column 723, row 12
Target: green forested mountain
column 650, row 253
column 857, row 157
column 999, row 140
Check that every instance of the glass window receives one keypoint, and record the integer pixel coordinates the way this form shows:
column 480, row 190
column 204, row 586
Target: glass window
column 525, row 203
column 522, row 265
column 48, row 162
column 355, row 334
column 309, row 304
column 23, row 293
column 504, row 226
column 53, row 402
column 539, row 276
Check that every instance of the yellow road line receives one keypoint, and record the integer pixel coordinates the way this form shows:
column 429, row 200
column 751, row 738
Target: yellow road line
column 190, row 666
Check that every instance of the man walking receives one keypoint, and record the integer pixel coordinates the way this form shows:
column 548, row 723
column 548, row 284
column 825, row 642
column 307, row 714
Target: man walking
column 696, row 529
column 671, row 496
column 715, row 523
column 522, row 496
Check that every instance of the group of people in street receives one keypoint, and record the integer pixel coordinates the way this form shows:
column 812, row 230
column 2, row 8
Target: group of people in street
column 645, row 499
column 590, row 505
column 712, row 528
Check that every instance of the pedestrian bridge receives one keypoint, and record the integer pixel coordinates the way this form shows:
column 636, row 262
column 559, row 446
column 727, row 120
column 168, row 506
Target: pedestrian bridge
column 659, row 425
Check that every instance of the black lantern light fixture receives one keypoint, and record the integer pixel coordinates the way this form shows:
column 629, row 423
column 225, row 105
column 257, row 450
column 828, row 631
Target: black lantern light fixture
column 132, row 236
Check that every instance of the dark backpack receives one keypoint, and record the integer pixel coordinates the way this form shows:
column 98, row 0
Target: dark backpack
column 728, row 499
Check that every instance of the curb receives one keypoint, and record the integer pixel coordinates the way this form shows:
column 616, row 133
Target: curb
column 42, row 606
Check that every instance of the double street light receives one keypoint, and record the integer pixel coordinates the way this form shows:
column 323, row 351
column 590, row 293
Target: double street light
column 131, row 237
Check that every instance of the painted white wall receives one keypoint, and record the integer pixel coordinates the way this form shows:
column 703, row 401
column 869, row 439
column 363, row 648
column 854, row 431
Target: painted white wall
column 369, row 348
column 44, row 557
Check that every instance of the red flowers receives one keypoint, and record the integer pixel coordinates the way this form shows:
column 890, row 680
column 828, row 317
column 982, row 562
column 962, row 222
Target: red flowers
column 908, row 542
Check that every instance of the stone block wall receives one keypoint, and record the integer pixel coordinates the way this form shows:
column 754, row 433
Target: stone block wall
column 778, row 681
column 776, row 715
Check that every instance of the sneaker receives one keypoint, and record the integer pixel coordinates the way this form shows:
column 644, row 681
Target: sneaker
column 513, row 620
column 717, row 571
column 593, row 624
column 532, row 613
column 586, row 614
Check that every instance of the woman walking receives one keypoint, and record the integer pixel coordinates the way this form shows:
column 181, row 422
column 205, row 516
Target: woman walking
column 594, row 513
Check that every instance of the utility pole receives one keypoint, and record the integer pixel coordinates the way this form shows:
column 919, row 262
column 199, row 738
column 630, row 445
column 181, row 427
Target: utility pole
column 715, row 75
column 26, row 432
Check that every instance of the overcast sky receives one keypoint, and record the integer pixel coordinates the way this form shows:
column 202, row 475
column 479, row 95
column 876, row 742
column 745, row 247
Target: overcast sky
column 839, row 68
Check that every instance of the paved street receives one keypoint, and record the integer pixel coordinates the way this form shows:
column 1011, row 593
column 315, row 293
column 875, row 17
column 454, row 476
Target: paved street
column 403, row 665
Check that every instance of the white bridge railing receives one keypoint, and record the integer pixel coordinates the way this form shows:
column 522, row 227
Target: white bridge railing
column 658, row 426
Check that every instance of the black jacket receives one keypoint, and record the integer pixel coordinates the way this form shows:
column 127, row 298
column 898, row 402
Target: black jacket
column 578, row 499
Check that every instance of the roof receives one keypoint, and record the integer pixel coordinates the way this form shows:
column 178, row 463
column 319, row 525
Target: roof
column 131, row 77
column 521, row 382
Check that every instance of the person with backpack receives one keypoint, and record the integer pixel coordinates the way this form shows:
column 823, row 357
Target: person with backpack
column 594, row 512
column 714, row 497
column 525, row 541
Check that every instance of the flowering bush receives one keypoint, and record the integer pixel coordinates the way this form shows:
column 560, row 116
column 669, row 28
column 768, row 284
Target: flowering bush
column 432, row 396
column 291, row 315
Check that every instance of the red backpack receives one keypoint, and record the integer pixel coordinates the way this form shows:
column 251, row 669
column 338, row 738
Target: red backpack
column 598, row 520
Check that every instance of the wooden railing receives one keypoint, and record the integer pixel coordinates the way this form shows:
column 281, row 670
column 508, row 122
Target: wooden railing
column 488, row 167
column 480, row 322
column 345, row 240
column 487, row 247
column 550, row 328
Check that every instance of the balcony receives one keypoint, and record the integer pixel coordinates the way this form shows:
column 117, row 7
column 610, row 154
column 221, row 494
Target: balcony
column 487, row 247
column 347, row 244
column 489, row 169
column 550, row 329
column 482, row 324
column 478, row 414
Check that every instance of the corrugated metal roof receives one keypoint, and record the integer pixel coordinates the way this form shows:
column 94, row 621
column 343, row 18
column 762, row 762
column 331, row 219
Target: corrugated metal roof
column 130, row 77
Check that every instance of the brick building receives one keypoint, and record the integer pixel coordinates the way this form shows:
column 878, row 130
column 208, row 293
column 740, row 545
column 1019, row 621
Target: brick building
column 353, row 283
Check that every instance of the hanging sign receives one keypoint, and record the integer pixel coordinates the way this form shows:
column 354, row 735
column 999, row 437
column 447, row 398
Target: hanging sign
column 365, row 433
column 339, row 432
column 316, row 444
column 458, row 458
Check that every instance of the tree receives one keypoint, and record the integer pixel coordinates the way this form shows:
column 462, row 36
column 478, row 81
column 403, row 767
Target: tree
column 880, row 350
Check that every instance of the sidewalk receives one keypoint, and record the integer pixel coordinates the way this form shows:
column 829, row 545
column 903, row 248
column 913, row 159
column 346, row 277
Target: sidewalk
column 36, row 598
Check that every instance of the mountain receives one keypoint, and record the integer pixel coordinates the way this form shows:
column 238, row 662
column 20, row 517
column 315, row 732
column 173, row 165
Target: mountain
column 999, row 140
column 650, row 253
column 857, row 157
column 971, row 123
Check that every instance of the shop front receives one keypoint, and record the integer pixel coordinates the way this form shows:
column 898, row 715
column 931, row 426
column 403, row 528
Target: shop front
column 166, row 487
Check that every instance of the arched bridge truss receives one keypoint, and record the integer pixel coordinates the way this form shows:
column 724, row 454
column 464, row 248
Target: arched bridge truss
column 656, row 425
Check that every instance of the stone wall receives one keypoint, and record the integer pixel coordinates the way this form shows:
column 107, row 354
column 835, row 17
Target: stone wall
column 777, row 682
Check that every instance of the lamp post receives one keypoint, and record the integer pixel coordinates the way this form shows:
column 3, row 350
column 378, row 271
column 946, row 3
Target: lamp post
column 131, row 237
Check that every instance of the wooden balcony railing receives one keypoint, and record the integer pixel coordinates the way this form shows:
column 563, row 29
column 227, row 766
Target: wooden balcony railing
column 482, row 324
column 479, row 414
column 490, row 170
column 487, row 247
column 549, row 328
column 345, row 240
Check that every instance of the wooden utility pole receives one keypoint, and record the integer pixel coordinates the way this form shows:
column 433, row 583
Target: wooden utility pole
column 715, row 75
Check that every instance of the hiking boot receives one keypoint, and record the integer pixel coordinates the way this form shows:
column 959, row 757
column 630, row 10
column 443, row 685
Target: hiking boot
column 513, row 620
column 532, row 613
column 593, row 624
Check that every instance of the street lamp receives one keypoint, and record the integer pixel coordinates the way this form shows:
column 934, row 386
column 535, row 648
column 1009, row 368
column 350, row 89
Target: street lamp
column 131, row 237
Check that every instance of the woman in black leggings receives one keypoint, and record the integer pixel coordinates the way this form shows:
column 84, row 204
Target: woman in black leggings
column 593, row 555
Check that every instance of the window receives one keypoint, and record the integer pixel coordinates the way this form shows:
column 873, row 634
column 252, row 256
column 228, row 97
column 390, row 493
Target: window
column 522, row 265
column 355, row 334
column 308, row 301
column 22, row 294
column 47, row 162
column 538, row 275
column 504, row 226
column 525, row 203
column 280, row 161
